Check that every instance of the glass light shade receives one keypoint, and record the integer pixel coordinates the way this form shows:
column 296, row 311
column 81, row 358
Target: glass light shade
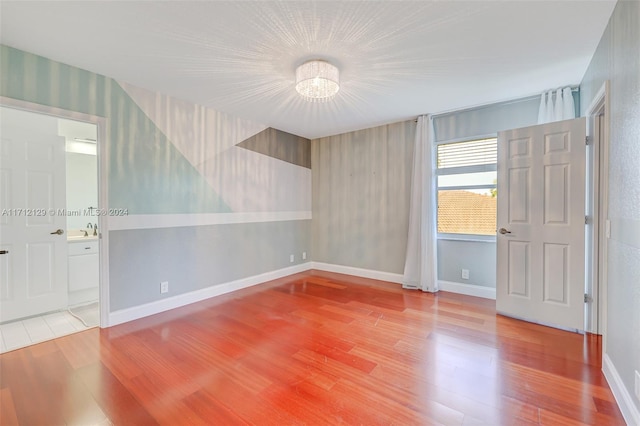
column 317, row 81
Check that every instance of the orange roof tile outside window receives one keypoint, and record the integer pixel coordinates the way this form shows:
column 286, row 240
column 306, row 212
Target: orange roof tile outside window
column 466, row 212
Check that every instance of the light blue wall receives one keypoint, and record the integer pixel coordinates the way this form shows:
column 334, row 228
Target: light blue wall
column 150, row 174
column 487, row 119
column 490, row 119
column 617, row 59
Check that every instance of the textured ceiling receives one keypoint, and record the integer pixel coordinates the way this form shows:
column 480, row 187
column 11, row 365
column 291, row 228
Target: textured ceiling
column 398, row 59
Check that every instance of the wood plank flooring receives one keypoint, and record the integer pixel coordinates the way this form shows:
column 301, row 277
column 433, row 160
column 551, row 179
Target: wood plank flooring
column 317, row 349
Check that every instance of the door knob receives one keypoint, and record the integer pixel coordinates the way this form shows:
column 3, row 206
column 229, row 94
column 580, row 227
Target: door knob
column 4, row 251
column 58, row 232
column 504, row 231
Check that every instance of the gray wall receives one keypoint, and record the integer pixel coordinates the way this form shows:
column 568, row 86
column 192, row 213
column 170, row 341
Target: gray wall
column 618, row 59
column 360, row 199
column 195, row 257
column 281, row 145
column 479, row 257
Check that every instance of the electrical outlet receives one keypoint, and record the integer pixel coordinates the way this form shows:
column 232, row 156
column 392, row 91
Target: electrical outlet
column 292, row 258
column 465, row 274
column 304, row 255
column 638, row 385
column 164, row 287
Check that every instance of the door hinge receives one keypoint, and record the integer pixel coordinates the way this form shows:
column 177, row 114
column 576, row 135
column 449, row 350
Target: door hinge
column 587, row 298
column 586, row 220
column 586, row 140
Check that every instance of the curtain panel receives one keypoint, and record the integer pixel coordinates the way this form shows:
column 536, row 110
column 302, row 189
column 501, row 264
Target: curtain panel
column 420, row 269
column 560, row 107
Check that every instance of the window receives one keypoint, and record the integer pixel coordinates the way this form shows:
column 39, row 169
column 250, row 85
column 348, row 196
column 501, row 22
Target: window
column 467, row 176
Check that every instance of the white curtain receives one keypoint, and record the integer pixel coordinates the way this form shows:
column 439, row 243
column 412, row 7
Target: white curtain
column 556, row 107
column 420, row 267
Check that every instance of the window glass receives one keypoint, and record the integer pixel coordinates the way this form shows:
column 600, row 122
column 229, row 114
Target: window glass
column 468, row 179
column 469, row 153
column 467, row 212
column 463, row 208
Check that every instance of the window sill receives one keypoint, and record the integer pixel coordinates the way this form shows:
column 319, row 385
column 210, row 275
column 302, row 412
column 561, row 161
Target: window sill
column 468, row 238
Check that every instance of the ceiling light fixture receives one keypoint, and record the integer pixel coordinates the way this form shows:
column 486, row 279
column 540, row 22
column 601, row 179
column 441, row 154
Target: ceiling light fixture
column 317, row 80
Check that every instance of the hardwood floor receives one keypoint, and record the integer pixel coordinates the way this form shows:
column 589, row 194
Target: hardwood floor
column 314, row 348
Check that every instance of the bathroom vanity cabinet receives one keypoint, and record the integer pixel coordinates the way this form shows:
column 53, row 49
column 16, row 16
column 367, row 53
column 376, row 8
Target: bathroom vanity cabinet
column 84, row 265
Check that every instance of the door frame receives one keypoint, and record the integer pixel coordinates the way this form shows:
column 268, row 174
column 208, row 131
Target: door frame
column 596, row 313
column 103, row 167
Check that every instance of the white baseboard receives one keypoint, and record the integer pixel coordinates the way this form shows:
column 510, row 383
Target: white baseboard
column 136, row 312
column 358, row 272
column 468, row 289
column 624, row 399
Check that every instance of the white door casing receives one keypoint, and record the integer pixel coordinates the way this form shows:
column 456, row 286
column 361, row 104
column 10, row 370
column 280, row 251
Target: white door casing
column 541, row 210
column 33, row 274
column 598, row 131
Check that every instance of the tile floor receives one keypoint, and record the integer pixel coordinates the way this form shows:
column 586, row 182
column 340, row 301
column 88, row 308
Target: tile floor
column 18, row 334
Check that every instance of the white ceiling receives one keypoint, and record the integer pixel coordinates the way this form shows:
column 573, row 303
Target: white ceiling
column 398, row 59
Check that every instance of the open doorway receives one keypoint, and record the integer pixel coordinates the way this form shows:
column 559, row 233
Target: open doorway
column 50, row 262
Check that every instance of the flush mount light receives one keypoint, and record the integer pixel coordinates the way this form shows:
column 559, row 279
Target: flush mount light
column 317, row 80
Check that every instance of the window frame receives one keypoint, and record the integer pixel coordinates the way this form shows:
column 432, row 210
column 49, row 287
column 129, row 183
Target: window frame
column 463, row 170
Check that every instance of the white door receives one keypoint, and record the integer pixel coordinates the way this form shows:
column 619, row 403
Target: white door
column 33, row 266
column 541, row 223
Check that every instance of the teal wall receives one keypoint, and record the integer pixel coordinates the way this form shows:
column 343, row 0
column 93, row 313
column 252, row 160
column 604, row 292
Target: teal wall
column 147, row 174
